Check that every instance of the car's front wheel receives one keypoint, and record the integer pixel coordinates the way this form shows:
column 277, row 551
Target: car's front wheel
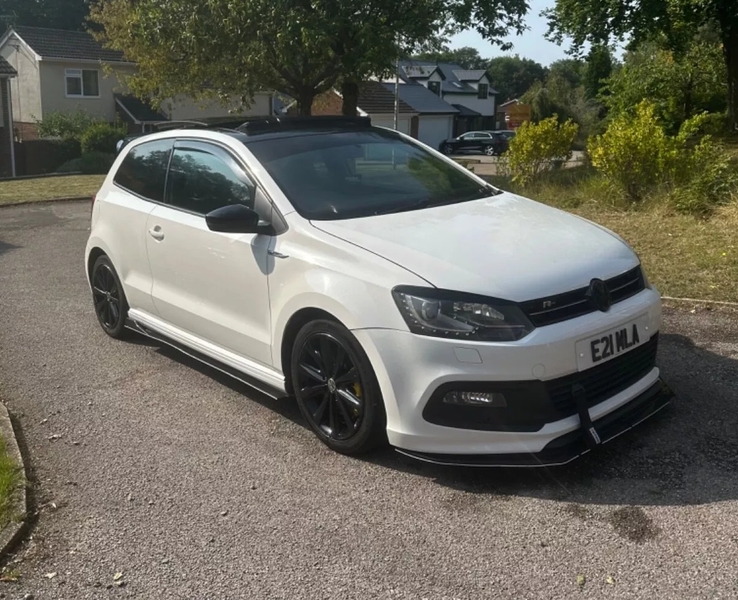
column 110, row 302
column 336, row 388
column 447, row 149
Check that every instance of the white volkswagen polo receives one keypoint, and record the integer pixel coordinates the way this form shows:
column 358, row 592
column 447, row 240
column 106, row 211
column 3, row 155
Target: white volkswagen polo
column 396, row 295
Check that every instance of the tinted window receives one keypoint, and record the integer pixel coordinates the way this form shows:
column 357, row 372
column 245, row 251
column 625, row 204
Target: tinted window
column 361, row 173
column 201, row 182
column 143, row 170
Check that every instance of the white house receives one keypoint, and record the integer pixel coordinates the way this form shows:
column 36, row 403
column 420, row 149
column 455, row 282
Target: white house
column 470, row 92
column 65, row 71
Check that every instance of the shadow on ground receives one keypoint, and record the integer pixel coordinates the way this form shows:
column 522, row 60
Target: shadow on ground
column 687, row 454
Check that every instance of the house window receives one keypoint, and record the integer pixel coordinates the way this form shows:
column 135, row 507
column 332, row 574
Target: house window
column 435, row 87
column 483, row 91
column 82, row 83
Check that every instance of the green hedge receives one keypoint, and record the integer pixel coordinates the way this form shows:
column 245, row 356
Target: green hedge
column 91, row 163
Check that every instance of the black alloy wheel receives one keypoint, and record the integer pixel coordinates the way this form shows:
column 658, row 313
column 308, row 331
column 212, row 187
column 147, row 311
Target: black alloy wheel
column 447, row 149
column 111, row 307
column 336, row 389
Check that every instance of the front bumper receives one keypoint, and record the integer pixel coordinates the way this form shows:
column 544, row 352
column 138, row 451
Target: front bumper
column 568, row 447
column 411, row 368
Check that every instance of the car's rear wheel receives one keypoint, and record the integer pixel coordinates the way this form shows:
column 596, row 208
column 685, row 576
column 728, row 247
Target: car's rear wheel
column 336, row 388
column 490, row 151
column 110, row 302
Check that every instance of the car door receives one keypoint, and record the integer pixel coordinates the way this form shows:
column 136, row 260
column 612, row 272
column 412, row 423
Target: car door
column 210, row 284
column 483, row 140
column 138, row 185
column 467, row 142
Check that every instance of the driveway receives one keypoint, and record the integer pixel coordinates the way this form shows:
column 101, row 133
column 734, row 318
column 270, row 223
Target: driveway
column 193, row 486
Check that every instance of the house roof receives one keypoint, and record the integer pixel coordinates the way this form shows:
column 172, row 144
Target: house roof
column 139, row 110
column 6, row 70
column 508, row 103
column 421, row 99
column 374, row 98
column 70, row 45
column 422, row 71
column 470, row 74
column 451, row 84
column 465, row 111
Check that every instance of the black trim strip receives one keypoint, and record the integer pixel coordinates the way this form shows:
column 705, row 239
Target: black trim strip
column 260, row 386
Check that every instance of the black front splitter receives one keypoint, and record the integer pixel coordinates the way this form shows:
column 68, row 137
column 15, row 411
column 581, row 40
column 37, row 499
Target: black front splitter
column 570, row 446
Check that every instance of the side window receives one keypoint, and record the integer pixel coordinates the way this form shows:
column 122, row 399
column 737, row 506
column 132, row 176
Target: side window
column 144, row 169
column 483, row 91
column 201, row 182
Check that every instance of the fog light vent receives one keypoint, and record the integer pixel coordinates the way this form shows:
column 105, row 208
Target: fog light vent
column 491, row 399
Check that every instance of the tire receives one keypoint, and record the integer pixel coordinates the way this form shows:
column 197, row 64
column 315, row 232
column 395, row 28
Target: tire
column 336, row 388
column 108, row 298
column 490, row 151
column 447, row 149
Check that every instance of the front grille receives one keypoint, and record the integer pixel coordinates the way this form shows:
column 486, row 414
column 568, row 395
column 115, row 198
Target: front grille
column 569, row 305
column 604, row 381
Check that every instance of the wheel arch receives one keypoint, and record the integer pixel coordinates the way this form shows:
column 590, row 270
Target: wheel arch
column 296, row 322
column 94, row 253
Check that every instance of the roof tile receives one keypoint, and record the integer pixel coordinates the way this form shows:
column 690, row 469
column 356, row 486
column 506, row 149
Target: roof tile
column 63, row 44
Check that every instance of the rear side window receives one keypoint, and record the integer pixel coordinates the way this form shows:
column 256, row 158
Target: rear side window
column 144, row 169
column 201, row 182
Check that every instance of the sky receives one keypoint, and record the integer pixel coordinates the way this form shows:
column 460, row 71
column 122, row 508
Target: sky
column 531, row 44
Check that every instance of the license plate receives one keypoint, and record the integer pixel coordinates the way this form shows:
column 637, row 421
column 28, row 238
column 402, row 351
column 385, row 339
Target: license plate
column 607, row 345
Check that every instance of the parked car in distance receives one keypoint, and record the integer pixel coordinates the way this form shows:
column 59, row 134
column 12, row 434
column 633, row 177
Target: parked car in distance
column 485, row 142
column 394, row 294
column 508, row 134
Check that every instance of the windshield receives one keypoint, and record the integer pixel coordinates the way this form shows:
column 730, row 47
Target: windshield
column 342, row 175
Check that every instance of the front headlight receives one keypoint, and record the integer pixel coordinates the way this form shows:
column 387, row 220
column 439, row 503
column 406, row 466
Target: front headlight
column 440, row 313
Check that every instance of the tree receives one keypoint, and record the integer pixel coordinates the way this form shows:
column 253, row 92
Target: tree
column 466, row 57
column 678, row 21
column 60, row 14
column 570, row 69
column 512, row 76
column 299, row 47
column 597, row 69
column 679, row 85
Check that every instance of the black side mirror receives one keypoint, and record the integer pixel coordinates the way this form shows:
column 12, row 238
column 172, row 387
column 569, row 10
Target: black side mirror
column 236, row 218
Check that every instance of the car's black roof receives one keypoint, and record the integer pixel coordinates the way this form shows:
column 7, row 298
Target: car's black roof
column 246, row 130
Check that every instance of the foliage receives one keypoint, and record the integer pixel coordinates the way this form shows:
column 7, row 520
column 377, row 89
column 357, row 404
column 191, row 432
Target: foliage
column 558, row 96
column 677, row 21
column 512, row 76
column 102, row 137
column 466, row 57
column 537, row 147
column 10, row 478
column 569, row 69
column 709, row 176
column 598, row 69
column 65, row 125
column 637, row 156
column 680, row 85
column 60, row 14
column 223, row 48
column 634, row 154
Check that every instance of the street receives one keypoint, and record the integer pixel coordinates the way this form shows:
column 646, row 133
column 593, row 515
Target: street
column 191, row 485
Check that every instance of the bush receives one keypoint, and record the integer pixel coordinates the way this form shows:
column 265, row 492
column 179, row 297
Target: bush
column 92, row 163
column 102, row 137
column 636, row 156
column 538, row 147
column 709, row 178
column 634, row 153
column 65, row 125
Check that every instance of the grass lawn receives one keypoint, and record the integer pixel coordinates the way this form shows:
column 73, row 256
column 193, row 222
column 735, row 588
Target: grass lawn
column 683, row 255
column 9, row 481
column 48, row 188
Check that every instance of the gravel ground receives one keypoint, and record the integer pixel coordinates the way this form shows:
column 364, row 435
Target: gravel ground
column 192, row 486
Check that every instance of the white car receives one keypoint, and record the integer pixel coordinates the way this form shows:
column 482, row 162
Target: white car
column 396, row 295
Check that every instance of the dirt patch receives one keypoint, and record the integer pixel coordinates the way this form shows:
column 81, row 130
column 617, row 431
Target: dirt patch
column 632, row 523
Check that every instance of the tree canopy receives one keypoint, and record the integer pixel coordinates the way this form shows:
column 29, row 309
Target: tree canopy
column 598, row 22
column 299, row 47
column 466, row 57
column 60, row 14
column 512, row 76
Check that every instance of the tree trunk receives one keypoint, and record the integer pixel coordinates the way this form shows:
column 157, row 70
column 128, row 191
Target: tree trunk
column 305, row 103
column 730, row 51
column 350, row 93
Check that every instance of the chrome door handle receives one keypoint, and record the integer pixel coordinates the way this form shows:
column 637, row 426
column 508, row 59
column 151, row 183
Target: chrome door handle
column 276, row 254
column 156, row 233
